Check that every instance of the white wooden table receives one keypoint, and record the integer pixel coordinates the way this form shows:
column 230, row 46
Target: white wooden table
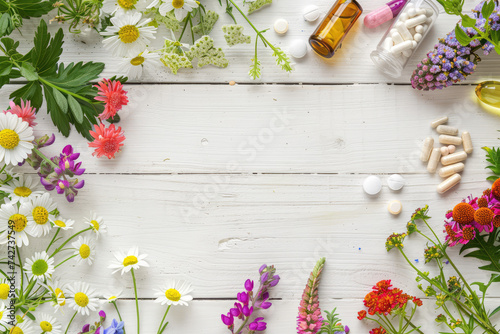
column 216, row 180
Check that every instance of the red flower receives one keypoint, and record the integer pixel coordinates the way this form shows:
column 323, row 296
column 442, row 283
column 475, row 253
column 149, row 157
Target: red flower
column 113, row 95
column 24, row 111
column 361, row 315
column 379, row 330
column 107, row 141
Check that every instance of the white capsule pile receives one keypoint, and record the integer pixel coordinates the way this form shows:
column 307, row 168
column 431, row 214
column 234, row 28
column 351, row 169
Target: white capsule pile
column 450, row 159
column 408, row 31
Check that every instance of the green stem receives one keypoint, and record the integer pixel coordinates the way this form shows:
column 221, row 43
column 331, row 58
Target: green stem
column 184, row 29
column 136, row 301
column 20, row 267
column 48, row 83
column 69, row 324
column 44, row 157
column 119, row 315
column 52, row 241
column 70, row 238
column 163, row 320
column 69, row 258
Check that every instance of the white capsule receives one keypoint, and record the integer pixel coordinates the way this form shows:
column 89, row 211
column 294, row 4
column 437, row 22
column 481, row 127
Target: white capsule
column 396, row 37
column 298, row 48
column 434, row 160
column 439, row 121
column 414, row 44
column 450, row 140
column 413, row 22
column 403, row 31
column 444, row 151
column 449, row 183
column 419, row 29
column 409, row 6
column 311, row 13
column 427, row 149
column 407, row 53
column 429, row 12
column 453, row 158
column 447, row 130
column 392, row 31
column 417, row 37
column 452, row 148
column 395, row 207
column 388, row 43
column 467, row 140
column 395, row 182
column 404, row 17
column 451, row 169
column 281, row 26
column 372, row 185
column 420, row 11
column 425, row 27
column 428, row 21
column 398, row 48
column 412, row 12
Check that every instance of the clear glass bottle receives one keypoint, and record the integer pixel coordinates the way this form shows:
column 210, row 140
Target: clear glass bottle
column 332, row 30
column 404, row 36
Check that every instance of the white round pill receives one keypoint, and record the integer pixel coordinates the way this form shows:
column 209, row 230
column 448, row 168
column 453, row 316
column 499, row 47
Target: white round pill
column 419, row 29
column 311, row 13
column 395, row 207
column 451, row 148
column 372, row 185
column 445, row 150
column 396, row 182
column 298, row 48
column 281, row 26
column 417, row 37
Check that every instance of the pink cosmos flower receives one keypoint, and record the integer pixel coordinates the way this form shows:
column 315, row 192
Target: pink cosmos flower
column 24, row 111
column 107, row 141
column 113, row 95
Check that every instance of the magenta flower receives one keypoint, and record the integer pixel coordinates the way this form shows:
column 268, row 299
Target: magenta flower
column 258, row 325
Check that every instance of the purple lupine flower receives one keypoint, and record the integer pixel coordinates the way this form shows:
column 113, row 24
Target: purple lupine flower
column 228, row 319
column 86, row 328
column 102, row 315
column 258, row 325
column 248, row 285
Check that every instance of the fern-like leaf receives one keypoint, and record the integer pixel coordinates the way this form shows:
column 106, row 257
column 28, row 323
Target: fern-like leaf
column 493, row 158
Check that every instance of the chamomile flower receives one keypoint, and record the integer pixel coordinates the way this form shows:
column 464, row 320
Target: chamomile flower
column 58, row 291
column 180, row 7
column 25, row 327
column 39, row 216
column 129, row 35
column 110, row 297
column 40, row 266
column 84, row 298
column 121, row 6
column 4, row 312
column 84, row 250
column 174, row 293
column 16, row 138
column 48, row 324
column 135, row 66
column 12, row 217
column 22, row 189
column 63, row 224
column 97, row 224
column 4, row 289
column 127, row 261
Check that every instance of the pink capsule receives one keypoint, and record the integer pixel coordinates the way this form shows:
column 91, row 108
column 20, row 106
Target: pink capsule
column 385, row 13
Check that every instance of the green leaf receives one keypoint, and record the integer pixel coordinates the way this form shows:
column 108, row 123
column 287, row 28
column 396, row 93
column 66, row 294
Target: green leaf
column 60, row 100
column 5, row 24
column 32, row 91
column 493, row 158
column 468, row 22
column 28, row 72
column 495, row 311
column 497, row 49
column 488, row 8
column 461, row 36
column 46, row 51
column 75, row 108
column 5, row 66
column 484, row 248
column 31, row 8
column 495, row 36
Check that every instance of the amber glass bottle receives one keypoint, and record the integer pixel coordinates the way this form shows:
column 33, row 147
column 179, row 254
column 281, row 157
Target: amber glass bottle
column 329, row 35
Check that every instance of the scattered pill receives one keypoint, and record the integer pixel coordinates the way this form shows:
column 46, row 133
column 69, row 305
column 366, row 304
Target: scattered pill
column 417, row 20
column 454, row 158
column 395, row 207
column 414, row 44
column 396, row 182
column 311, row 13
column 298, row 48
column 232, row 83
column 434, row 160
column 448, row 183
column 445, row 151
column 406, row 45
column 419, row 29
column 281, row 26
column 372, row 185
column 396, row 37
column 417, row 37
column 403, row 31
column 451, row 169
column 452, row 148
column 439, row 121
column 427, row 149
column 450, row 140
column 467, row 141
column 447, row 130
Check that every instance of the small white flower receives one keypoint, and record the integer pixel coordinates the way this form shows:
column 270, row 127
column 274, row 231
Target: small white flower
column 121, row 6
column 4, row 312
column 12, row 217
column 84, row 250
column 16, row 138
column 180, row 7
column 25, row 327
column 39, row 266
column 63, row 224
column 39, row 216
column 97, row 224
column 110, row 297
column 127, row 261
column 59, row 294
column 129, row 35
column 48, row 324
column 135, row 66
column 22, row 189
column 84, row 298
column 174, row 293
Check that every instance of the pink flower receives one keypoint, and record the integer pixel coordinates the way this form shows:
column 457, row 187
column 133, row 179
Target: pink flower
column 25, row 111
column 309, row 319
column 107, row 141
column 113, row 95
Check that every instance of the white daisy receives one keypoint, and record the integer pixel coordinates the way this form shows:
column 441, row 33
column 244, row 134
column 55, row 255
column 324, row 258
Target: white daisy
column 84, row 298
column 22, row 189
column 48, row 324
column 16, row 138
column 63, row 224
column 4, row 289
column 121, row 6
column 25, row 327
column 84, row 250
column 39, row 216
column 12, row 216
column 154, row 3
column 58, row 291
column 128, row 261
column 180, row 7
column 97, row 224
column 40, row 266
column 174, row 293
column 129, row 35
column 143, row 61
column 110, row 297
column 4, row 312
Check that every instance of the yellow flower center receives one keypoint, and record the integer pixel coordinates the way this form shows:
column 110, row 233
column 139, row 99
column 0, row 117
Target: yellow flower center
column 178, row 3
column 22, row 191
column 127, row 4
column 46, row 326
column 95, row 224
column 59, row 294
column 127, row 34
column 112, row 298
column 59, row 223
column 40, row 215
column 16, row 330
column 81, row 299
column 130, row 260
column 18, row 222
column 4, row 291
column 173, row 295
column 84, row 251
column 1, row 315
column 137, row 61
column 9, row 139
